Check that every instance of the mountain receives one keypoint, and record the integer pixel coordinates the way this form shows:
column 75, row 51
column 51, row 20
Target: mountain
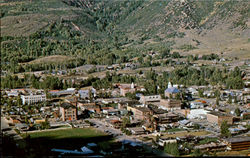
column 106, row 32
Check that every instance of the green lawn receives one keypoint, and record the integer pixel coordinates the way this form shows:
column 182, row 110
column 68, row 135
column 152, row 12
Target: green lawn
column 175, row 130
column 68, row 133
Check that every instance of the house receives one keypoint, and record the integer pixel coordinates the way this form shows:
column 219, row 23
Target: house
column 39, row 120
column 13, row 94
column 30, row 99
column 116, row 123
column 170, row 104
column 150, row 98
column 166, row 118
column 69, row 91
column 197, row 105
column 193, row 91
column 68, row 112
column 136, row 130
column 218, row 118
column 22, row 127
column 184, row 122
column 111, row 111
column 127, row 88
column 163, row 141
column 83, row 105
column 237, row 130
column 246, row 115
column 171, row 92
column 84, row 94
column 15, row 119
column 211, row 146
column 197, row 113
column 183, row 112
column 156, row 110
column 20, row 91
column 238, row 143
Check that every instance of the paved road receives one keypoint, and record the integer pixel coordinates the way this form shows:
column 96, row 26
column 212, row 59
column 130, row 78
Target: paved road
column 11, row 132
column 101, row 125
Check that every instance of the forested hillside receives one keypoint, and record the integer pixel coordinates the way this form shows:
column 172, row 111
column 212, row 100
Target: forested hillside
column 107, row 32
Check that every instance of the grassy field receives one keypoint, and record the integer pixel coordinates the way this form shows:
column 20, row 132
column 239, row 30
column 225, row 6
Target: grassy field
column 51, row 59
column 68, row 133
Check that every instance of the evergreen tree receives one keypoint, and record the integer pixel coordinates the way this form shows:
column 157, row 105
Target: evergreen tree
column 224, row 129
column 229, row 101
column 237, row 112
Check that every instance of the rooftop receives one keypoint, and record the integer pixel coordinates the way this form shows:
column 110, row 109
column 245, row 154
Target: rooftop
column 172, row 90
column 219, row 114
column 238, row 139
column 143, row 109
column 67, row 105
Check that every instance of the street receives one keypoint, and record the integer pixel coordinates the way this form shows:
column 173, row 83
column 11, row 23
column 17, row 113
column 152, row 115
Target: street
column 100, row 125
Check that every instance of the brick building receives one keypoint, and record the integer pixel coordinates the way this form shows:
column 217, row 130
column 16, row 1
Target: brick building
column 68, row 112
column 89, row 106
column 166, row 118
column 140, row 113
column 218, row 118
column 170, row 104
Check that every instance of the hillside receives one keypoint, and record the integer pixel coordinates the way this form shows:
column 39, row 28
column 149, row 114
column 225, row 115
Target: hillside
column 106, row 32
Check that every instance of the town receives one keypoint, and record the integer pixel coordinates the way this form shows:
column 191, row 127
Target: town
column 213, row 119
column 125, row 78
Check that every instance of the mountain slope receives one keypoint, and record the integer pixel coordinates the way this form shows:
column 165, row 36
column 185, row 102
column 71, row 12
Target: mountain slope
column 106, row 32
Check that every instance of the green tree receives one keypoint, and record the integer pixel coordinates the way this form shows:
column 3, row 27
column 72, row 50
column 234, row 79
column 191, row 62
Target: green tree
column 125, row 122
column 131, row 95
column 229, row 101
column 224, row 129
column 237, row 112
column 197, row 153
column 200, row 91
column 196, row 126
column 90, row 95
column 45, row 125
column 19, row 103
column 217, row 101
column 172, row 148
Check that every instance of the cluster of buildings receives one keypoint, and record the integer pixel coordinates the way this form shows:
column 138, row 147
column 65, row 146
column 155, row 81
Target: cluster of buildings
column 148, row 114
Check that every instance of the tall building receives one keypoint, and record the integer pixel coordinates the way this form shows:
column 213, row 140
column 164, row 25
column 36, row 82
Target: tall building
column 68, row 112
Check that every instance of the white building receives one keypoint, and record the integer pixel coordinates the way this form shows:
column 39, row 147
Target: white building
column 197, row 113
column 196, row 105
column 150, row 98
column 30, row 99
column 162, row 141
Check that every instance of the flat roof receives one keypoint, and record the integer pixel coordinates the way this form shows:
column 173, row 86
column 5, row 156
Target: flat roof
column 238, row 139
column 67, row 105
column 143, row 109
column 219, row 114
